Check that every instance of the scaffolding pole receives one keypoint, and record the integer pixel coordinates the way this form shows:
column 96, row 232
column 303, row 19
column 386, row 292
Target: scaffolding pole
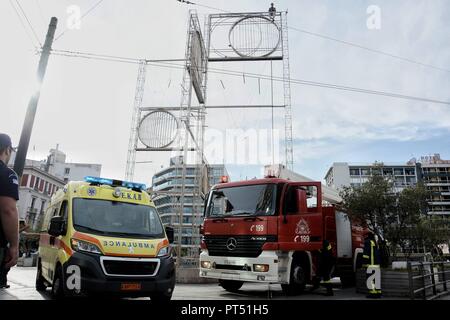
column 136, row 116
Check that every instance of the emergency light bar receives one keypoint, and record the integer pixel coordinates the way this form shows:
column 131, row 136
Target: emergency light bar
column 115, row 183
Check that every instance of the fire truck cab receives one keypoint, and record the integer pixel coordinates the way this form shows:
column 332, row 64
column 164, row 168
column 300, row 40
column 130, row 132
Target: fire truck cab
column 270, row 230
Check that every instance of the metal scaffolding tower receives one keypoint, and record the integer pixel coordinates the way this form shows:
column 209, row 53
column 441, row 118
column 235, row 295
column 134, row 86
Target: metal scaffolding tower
column 193, row 79
column 259, row 36
column 132, row 144
column 287, row 94
column 251, row 37
column 155, row 127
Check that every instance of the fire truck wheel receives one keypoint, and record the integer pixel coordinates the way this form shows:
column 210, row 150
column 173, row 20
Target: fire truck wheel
column 40, row 283
column 297, row 281
column 231, row 285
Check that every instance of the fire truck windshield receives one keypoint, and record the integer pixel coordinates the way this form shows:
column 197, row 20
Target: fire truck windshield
column 256, row 200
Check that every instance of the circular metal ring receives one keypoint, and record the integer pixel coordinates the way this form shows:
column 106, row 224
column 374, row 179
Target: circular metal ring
column 263, row 39
column 158, row 129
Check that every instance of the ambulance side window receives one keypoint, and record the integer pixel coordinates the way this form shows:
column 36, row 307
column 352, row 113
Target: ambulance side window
column 56, row 209
column 63, row 210
column 48, row 215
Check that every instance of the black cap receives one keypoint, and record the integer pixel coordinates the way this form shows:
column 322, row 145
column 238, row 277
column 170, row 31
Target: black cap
column 5, row 141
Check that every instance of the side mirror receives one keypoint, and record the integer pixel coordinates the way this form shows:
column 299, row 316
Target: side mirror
column 205, row 203
column 57, row 226
column 169, row 233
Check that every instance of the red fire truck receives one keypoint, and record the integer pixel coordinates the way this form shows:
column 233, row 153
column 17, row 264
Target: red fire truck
column 269, row 231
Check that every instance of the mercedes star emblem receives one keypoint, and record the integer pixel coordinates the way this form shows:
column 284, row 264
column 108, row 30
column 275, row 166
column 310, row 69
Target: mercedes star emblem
column 231, row 244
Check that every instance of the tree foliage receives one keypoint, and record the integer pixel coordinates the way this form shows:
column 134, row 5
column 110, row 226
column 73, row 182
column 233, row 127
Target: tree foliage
column 400, row 218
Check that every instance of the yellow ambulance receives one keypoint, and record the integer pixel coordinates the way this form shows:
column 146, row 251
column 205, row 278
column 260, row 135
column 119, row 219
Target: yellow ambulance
column 105, row 236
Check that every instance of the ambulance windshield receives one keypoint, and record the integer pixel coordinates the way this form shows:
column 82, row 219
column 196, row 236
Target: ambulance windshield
column 243, row 201
column 117, row 219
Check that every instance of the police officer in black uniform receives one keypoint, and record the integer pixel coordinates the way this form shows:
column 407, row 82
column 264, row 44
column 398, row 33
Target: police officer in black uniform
column 9, row 217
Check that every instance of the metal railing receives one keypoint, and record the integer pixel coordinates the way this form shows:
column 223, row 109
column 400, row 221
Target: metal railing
column 430, row 280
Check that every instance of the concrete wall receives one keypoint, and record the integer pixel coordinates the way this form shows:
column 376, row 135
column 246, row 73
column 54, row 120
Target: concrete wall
column 341, row 175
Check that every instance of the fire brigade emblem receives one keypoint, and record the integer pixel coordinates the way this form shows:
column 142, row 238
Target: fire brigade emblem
column 302, row 227
column 130, row 250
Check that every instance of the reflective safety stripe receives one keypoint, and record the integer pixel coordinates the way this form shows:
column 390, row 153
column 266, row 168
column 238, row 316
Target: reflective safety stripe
column 329, row 247
column 366, row 256
column 375, row 291
column 372, row 258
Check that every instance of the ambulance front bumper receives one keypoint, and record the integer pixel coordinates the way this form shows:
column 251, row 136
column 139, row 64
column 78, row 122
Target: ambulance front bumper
column 243, row 269
column 94, row 280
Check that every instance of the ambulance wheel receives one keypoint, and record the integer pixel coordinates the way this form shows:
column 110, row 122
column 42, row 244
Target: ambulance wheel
column 58, row 291
column 231, row 285
column 40, row 282
column 297, row 281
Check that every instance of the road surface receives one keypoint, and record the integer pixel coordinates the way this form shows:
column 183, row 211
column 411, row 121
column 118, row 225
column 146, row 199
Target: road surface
column 21, row 280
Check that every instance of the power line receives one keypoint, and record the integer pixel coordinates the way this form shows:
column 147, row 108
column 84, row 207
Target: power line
column 81, row 18
column 29, row 23
column 23, row 24
column 161, row 63
column 369, row 49
column 202, row 5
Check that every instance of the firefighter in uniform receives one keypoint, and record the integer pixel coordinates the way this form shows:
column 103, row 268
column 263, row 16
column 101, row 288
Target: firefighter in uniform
column 372, row 259
column 325, row 267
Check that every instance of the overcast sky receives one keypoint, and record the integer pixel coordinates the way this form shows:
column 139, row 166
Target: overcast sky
column 85, row 105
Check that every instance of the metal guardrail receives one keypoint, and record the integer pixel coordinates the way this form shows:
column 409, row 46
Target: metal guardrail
column 433, row 277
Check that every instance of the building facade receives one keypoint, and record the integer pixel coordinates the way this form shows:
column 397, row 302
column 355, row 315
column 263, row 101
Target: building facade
column 35, row 191
column 41, row 179
column 433, row 171
column 355, row 174
column 68, row 171
column 435, row 174
column 56, row 165
column 166, row 189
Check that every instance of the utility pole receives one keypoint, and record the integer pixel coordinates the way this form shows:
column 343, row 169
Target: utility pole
column 21, row 155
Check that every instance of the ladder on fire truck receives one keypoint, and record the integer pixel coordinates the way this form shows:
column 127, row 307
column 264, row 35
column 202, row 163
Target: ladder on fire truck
column 329, row 195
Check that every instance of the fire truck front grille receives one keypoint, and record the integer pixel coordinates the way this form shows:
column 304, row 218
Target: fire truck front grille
column 236, row 246
column 231, row 267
